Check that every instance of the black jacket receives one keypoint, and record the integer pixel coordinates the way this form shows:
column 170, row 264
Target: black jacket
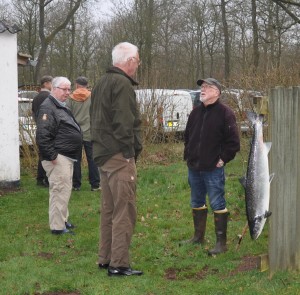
column 115, row 118
column 211, row 134
column 57, row 131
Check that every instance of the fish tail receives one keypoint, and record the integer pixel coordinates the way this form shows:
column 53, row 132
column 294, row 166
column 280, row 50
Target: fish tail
column 252, row 117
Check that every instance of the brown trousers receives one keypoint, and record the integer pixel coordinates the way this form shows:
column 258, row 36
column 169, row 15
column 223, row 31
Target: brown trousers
column 118, row 210
column 60, row 189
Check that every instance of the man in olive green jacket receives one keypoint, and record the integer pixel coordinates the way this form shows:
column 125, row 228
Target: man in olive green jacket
column 79, row 104
column 116, row 138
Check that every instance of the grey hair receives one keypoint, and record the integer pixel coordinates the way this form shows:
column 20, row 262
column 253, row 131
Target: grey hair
column 60, row 80
column 122, row 51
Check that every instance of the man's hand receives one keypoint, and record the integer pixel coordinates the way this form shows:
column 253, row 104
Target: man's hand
column 220, row 163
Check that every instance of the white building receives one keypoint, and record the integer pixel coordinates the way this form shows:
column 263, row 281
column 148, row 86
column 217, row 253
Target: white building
column 9, row 125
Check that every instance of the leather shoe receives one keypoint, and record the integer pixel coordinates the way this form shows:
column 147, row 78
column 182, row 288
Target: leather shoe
column 69, row 225
column 62, row 232
column 103, row 265
column 123, row 271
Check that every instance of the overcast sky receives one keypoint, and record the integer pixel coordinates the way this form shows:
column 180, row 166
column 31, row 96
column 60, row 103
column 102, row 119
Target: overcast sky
column 104, row 7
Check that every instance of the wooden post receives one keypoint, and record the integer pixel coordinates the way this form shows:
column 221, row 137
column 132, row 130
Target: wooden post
column 284, row 230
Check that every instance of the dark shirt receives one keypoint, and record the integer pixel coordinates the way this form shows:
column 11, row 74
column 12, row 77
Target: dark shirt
column 37, row 101
column 211, row 134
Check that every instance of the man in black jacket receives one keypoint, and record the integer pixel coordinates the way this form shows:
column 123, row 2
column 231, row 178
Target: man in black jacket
column 59, row 139
column 46, row 84
column 211, row 141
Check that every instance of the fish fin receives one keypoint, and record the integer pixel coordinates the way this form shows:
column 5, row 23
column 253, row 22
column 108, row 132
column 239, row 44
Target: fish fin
column 268, row 214
column 260, row 217
column 271, row 177
column 268, row 146
column 243, row 181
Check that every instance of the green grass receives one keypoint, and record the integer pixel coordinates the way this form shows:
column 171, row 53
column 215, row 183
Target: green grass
column 32, row 261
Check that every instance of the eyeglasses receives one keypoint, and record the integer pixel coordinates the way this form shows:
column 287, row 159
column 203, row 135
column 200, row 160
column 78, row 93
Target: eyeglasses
column 64, row 89
column 137, row 60
column 204, row 86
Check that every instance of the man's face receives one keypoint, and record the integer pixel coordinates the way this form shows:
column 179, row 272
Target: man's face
column 62, row 92
column 209, row 93
column 133, row 64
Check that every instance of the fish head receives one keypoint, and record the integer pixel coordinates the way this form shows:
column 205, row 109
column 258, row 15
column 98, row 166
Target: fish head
column 256, row 226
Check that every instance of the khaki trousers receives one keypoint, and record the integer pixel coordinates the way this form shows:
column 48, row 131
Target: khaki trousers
column 60, row 189
column 118, row 210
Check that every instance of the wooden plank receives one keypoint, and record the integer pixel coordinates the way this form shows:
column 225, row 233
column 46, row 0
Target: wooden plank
column 284, row 245
column 263, row 262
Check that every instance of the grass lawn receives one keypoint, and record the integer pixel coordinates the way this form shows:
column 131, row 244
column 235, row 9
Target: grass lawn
column 33, row 261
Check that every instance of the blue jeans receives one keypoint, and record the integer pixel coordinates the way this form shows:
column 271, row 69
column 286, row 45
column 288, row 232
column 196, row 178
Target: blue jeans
column 94, row 177
column 211, row 183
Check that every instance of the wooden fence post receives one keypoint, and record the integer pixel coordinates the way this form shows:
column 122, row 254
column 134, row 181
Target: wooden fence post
column 284, row 230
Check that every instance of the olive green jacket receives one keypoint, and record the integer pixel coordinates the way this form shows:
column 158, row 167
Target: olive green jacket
column 79, row 103
column 115, row 118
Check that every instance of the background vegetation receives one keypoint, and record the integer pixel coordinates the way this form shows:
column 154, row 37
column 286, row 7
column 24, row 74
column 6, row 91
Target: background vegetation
column 32, row 261
column 245, row 44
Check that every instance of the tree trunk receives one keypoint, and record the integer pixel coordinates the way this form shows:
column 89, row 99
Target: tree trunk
column 226, row 42
column 255, row 37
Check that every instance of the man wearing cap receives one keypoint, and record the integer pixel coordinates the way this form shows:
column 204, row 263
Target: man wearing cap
column 79, row 104
column 46, row 84
column 211, row 140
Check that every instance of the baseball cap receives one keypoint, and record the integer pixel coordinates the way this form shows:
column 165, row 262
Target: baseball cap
column 210, row 81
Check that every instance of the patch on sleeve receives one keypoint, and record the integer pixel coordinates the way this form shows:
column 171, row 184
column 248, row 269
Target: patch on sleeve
column 44, row 117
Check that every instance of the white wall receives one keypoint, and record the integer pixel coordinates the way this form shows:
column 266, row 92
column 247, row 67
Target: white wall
column 9, row 126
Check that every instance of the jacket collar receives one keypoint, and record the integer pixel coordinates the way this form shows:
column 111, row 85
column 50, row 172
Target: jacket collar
column 210, row 106
column 117, row 70
column 57, row 102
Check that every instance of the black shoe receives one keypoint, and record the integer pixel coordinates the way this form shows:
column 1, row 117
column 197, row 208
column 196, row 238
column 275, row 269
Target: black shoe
column 95, row 188
column 69, row 225
column 123, row 271
column 103, row 265
column 42, row 182
column 76, row 189
column 62, row 231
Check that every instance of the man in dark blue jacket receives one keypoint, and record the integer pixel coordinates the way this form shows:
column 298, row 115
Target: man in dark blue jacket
column 211, row 141
column 59, row 139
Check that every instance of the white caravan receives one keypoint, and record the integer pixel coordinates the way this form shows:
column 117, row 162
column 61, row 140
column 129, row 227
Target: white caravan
column 165, row 109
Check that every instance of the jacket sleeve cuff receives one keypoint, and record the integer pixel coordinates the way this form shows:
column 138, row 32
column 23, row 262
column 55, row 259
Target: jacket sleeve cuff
column 127, row 154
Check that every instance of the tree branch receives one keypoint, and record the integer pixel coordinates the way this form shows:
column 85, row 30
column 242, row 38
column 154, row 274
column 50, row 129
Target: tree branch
column 287, row 2
column 61, row 26
column 287, row 10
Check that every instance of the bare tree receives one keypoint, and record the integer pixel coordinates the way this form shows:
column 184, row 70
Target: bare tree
column 255, row 36
column 226, row 41
column 46, row 33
